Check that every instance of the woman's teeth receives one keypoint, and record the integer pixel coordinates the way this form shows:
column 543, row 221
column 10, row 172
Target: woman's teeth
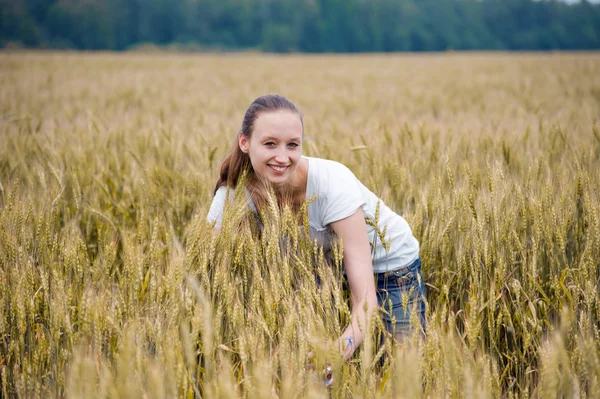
column 278, row 168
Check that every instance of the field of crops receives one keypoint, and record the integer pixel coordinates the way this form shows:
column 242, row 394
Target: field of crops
column 112, row 285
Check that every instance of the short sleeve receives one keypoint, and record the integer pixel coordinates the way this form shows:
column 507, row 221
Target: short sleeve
column 215, row 213
column 342, row 195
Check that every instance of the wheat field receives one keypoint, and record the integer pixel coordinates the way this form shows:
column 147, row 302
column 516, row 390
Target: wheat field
column 112, row 284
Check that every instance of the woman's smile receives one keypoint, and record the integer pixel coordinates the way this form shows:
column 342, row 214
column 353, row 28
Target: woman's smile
column 279, row 169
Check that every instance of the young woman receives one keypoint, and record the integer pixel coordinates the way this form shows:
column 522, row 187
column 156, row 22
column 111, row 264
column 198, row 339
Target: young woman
column 269, row 148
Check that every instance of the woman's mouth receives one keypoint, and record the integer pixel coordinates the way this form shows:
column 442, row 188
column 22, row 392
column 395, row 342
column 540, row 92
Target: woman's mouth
column 278, row 169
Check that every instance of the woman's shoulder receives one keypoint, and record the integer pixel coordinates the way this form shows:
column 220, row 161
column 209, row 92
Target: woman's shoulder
column 227, row 193
column 330, row 166
column 339, row 193
column 331, row 178
column 223, row 190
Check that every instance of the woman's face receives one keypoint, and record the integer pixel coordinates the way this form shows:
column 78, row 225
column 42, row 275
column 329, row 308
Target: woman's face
column 275, row 145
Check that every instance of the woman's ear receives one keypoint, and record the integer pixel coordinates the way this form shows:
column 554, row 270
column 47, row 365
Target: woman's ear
column 243, row 142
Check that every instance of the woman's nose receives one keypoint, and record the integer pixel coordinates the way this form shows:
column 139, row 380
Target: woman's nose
column 281, row 156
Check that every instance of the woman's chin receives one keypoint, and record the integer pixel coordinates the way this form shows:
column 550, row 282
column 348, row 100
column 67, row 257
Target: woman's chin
column 279, row 182
column 276, row 178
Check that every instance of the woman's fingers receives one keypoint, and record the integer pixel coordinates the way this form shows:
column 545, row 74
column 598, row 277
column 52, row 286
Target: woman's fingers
column 327, row 372
column 328, row 375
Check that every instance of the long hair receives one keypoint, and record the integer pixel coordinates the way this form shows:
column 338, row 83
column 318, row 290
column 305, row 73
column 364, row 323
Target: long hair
column 236, row 163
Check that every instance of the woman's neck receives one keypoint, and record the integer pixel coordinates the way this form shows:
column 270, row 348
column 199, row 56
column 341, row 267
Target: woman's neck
column 296, row 183
column 295, row 191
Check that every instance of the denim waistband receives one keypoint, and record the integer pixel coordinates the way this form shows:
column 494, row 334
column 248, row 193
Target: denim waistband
column 401, row 271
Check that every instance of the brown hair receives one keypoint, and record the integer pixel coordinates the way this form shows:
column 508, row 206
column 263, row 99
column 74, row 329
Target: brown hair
column 237, row 162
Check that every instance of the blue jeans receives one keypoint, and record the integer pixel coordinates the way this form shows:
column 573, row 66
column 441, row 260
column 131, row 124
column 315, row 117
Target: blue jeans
column 401, row 297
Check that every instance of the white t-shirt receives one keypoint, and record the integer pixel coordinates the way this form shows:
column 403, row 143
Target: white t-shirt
column 338, row 195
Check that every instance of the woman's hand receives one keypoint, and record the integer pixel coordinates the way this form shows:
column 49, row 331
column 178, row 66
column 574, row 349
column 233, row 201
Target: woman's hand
column 327, row 373
column 349, row 341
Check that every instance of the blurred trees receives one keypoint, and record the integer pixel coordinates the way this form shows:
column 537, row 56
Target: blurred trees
column 303, row 25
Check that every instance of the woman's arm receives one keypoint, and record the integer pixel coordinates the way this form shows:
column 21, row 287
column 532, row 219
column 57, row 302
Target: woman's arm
column 359, row 271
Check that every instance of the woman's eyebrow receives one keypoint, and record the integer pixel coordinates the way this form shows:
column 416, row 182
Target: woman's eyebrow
column 278, row 139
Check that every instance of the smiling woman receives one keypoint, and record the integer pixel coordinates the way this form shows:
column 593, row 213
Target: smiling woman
column 276, row 147
column 269, row 150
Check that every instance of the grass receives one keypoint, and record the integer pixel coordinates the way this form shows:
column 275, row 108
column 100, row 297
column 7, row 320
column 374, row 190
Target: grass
column 112, row 284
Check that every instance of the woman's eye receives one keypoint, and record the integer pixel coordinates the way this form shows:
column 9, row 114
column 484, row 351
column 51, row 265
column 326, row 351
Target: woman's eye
column 293, row 145
column 270, row 144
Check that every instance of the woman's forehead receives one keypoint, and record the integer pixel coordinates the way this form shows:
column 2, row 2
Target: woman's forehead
column 279, row 124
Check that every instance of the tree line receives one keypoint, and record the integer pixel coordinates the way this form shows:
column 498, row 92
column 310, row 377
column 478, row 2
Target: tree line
column 302, row 25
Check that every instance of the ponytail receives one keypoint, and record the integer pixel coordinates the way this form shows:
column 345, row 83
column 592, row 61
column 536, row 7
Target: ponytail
column 233, row 166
